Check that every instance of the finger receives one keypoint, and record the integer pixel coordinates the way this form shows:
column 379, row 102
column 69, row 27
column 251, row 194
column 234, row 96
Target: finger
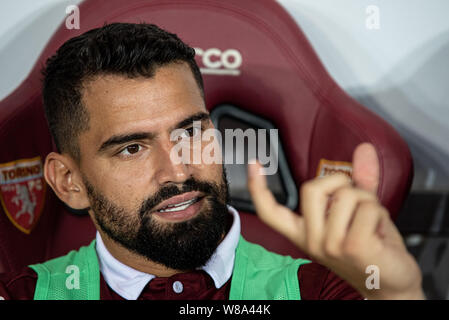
column 363, row 233
column 314, row 201
column 366, row 167
column 341, row 211
column 270, row 211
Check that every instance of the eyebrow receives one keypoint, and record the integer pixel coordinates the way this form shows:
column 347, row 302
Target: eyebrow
column 124, row 138
column 200, row 116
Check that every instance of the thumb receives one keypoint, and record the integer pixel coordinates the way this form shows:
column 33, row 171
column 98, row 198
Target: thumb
column 365, row 167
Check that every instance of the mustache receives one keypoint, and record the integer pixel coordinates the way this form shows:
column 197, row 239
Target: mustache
column 191, row 184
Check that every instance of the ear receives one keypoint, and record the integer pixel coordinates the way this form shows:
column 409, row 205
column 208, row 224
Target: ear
column 365, row 167
column 64, row 177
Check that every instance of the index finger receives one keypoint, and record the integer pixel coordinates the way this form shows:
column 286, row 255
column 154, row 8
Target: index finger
column 270, row 211
column 314, row 202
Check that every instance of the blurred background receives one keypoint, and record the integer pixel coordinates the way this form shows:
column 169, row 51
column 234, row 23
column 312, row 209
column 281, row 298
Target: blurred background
column 390, row 55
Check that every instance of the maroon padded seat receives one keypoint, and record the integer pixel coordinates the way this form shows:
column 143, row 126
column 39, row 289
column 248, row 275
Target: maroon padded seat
column 260, row 60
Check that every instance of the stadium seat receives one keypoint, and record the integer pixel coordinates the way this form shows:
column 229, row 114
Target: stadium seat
column 252, row 55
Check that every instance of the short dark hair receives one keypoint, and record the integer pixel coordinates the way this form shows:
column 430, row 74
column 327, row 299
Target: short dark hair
column 132, row 50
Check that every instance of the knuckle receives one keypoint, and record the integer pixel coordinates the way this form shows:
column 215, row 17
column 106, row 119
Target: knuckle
column 331, row 249
column 351, row 248
column 346, row 193
column 308, row 187
column 368, row 205
column 313, row 247
column 371, row 207
column 367, row 195
column 354, row 194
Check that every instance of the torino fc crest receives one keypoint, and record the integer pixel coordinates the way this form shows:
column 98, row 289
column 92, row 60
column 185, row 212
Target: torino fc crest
column 22, row 192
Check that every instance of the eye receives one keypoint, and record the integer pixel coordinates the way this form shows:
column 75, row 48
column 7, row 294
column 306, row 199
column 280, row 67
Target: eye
column 190, row 133
column 193, row 131
column 131, row 149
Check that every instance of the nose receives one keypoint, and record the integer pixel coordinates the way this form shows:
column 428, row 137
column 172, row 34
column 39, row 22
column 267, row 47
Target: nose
column 169, row 171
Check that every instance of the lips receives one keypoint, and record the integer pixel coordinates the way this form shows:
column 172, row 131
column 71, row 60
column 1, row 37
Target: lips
column 179, row 203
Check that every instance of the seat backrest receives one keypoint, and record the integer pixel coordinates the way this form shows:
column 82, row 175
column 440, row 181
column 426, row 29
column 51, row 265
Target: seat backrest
column 253, row 55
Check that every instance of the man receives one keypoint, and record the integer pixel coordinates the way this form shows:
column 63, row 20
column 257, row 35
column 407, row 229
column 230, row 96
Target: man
column 112, row 98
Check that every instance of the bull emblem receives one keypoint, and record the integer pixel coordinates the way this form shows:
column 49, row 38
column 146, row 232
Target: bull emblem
column 28, row 204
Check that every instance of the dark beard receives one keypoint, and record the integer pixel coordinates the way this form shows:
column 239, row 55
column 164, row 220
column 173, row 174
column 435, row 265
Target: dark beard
column 184, row 245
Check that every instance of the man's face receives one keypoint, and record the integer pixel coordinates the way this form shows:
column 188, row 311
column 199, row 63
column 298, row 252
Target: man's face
column 174, row 214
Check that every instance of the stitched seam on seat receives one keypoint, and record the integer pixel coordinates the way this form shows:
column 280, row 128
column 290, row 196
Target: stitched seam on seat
column 361, row 134
column 253, row 19
column 18, row 111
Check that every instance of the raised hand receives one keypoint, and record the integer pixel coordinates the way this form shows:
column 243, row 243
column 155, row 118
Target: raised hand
column 345, row 228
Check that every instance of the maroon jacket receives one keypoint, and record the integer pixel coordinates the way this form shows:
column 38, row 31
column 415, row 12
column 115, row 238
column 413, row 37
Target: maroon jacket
column 315, row 281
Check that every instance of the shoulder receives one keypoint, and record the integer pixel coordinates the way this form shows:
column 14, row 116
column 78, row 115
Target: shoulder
column 18, row 285
column 263, row 258
column 319, row 283
column 316, row 282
